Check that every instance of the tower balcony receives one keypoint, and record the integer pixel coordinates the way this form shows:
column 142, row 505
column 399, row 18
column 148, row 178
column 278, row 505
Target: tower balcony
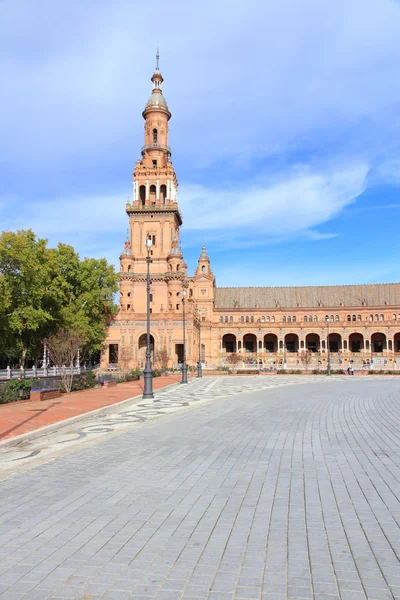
column 161, row 147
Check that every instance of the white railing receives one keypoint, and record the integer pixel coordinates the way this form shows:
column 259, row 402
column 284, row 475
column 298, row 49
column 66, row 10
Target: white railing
column 42, row 372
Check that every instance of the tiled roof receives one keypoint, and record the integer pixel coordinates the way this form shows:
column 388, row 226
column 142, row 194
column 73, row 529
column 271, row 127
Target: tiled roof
column 308, row 297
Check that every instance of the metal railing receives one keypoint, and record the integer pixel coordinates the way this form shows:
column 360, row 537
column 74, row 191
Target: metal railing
column 35, row 372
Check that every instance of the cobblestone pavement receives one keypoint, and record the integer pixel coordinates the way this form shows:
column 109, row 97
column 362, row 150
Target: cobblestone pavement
column 17, row 456
column 273, row 494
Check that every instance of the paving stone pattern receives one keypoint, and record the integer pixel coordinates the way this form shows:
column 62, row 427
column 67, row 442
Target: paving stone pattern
column 284, row 493
column 20, row 455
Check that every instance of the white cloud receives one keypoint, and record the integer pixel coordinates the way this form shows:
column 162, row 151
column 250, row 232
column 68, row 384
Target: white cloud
column 247, row 78
column 291, row 205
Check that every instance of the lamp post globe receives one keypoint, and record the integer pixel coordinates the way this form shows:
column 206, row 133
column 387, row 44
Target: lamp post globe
column 148, row 371
column 184, row 365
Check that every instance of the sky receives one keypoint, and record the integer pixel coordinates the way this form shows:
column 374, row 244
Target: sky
column 284, row 130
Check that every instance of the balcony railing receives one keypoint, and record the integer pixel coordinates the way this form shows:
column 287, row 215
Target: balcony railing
column 161, row 147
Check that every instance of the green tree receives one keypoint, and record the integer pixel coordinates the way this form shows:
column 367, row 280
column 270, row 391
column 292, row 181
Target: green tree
column 46, row 289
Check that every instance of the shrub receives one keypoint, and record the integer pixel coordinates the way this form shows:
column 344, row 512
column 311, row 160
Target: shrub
column 10, row 391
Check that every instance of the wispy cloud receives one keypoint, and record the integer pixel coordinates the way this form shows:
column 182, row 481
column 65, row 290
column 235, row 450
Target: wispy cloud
column 293, row 204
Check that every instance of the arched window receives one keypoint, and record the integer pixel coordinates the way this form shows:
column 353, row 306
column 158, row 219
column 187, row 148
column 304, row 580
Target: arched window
column 289, row 319
column 272, row 319
column 310, row 319
column 252, row 319
column 242, row 319
column 203, row 269
column 315, row 318
column 163, row 193
column 268, row 319
column 262, row 319
column 332, row 318
column 221, row 319
column 155, row 136
column 305, row 319
column 247, row 319
column 129, row 268
column 294, row 319
column 337, row 318
column 349, row 317
column 326, row 317
column 354, row 318
column 358, row 317
column 177, row 267
column 283, row 319
column 226, row 319
column 371, row 317
column 376, row 318
column 231, row 319
column 153, row 194
column 394, row 317
column 142, row 194
column 381, row 318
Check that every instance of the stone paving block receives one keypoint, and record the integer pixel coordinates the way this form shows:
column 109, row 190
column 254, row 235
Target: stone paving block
column 289, row 486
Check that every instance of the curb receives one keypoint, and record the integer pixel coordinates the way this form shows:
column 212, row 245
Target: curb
column 104, row 410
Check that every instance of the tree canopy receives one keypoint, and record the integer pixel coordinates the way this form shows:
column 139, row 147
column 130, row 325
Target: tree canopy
column 43, row 290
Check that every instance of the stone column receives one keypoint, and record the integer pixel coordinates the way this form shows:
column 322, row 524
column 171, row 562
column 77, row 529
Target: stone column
column 157, row 189
column 147, row 189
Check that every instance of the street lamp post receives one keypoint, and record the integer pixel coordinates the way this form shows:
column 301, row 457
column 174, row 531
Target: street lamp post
column 184, row 365
column 199, row 369
column 328, row 348
column 148, row 371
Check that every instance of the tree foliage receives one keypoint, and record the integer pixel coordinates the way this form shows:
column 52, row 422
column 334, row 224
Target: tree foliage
column 43, row 290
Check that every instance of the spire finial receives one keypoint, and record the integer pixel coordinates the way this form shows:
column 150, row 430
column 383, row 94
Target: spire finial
column 157, row 58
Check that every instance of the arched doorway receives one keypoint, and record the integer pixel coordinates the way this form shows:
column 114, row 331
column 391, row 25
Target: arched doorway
column 335, row 342
column 271, row 342
column 313, row 343
column 291, row 342
column 356, row 342
column 378, row 341
column 396, row 341
column 142, row 349
column 250, row 342
column 229, row 342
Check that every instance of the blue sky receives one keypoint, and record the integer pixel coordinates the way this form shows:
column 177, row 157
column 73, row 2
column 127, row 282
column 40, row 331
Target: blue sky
column 284, row 130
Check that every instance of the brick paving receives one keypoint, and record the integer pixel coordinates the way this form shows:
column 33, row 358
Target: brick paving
column 289, row 493
column 17, row 418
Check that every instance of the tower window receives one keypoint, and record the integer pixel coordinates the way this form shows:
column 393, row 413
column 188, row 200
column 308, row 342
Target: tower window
column 153, row 240
column 177, row 307
column 155, row 136
column 154, row 163
column 203, row 269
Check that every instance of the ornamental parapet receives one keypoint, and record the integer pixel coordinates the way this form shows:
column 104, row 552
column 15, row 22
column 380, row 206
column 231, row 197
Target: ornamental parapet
column 161, row 147
column 169, row 276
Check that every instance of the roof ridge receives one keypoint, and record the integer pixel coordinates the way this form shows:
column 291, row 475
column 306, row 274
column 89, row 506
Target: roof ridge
column 291, row 287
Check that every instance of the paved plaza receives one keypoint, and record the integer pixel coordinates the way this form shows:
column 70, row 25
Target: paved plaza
column 268, row 488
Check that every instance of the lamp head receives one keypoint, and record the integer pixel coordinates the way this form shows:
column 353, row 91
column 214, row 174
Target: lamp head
column 149, row 243
column 183, row 292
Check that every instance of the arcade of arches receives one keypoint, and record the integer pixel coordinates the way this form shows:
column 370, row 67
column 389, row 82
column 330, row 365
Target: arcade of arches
column 268, row 324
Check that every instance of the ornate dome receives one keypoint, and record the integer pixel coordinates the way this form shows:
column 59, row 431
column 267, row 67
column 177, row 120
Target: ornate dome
column 156, row 100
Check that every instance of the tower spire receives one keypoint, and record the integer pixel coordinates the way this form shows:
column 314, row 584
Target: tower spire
column 158, row 59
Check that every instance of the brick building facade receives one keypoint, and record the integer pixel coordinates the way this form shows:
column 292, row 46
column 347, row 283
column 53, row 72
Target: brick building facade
column 268, row 324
